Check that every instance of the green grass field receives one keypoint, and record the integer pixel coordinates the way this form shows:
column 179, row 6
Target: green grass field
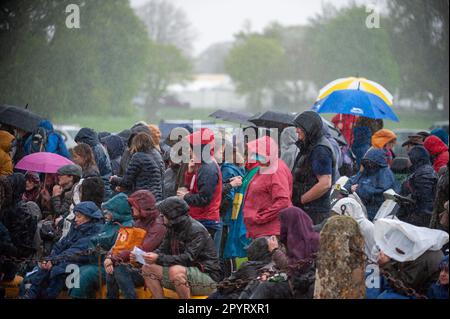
column 408, row 119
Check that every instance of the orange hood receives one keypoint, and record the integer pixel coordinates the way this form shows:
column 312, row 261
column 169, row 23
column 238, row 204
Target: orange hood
column 382, row 137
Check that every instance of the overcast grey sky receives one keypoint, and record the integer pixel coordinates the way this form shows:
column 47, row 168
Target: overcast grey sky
column 217, row 20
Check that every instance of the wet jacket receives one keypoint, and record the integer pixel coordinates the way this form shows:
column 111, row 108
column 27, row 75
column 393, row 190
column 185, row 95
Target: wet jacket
column 6, row 164
column 67, row 251
column 418, row 274
column 189, row 244
column 304, row 177
column 61, row 204
column 289, row 149
column 421, row 184
column 438, row 151
column 373, row 182
column 205, row 191
column 267, row 194
column 55, row 143
column 115, row 147
column 142, row 173
column 345, row 123
column 90, row 137
column 121, row 216
column 442, row 196
column 149, row 219
column 361, row 143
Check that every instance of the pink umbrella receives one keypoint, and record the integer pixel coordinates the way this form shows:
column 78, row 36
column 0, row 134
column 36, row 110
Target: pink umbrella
column 43, row 162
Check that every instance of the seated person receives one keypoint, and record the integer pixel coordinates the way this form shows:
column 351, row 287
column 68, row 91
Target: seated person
column 186, row 257
column 49, row 279
column 439, row 290
column 119, row 275
column 117, row 214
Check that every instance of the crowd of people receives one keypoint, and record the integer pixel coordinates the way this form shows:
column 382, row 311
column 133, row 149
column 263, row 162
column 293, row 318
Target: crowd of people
column 245, row 226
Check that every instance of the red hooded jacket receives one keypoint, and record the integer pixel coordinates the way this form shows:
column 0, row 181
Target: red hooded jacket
column 205, row 184
column 269, row 192
column 438, row 151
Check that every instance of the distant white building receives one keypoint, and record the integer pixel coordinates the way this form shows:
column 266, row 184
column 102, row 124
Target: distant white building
column 210, row 91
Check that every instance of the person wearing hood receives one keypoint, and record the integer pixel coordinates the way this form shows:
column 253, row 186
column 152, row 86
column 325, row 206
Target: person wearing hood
column 421, row 185
column 119, row 277
column 289, row 149
column 361, row 143
column 142, row 172
column 115, row 147
column 6, row 143
column 374, row 179
column 443, row 135
column 439, row 290
column 62, row 195
column 90, row 137
column 117, row 212
column 258, row 259
column 187, row 260
column 269, row 189
column 438, row 151
column 385, row 139
column 153, row 152
column 204, row 181
column 314, row 169
column 49, row 279
column 301, row 244
column 54, row 144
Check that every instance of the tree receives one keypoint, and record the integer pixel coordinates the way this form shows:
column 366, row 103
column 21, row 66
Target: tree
column 167, row 24
column 420, row 39
column 255, row 64
column 96, row 69
column 167, row 66
column 339, row 45
column 212, row 60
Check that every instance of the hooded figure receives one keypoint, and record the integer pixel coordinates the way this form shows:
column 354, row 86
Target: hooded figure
column 268, row 192
column 49, row 282
column 361, row 144
column 120, row 212
column 6, row 163
column 373, row 181
column 55, row 143
column 187, row 242
column 439, row 290
column 115, row 147
column 297, row 235
column 316, row 161
column 380, row 139
column 259, row 257
column 289, row 149
column 438, row 151
column 90, row 137
column 421, row 185
column 204, row 182
column 146, row 217
column 443, row 135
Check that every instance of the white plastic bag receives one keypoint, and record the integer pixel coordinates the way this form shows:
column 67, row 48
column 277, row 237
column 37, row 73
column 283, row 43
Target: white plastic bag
column 405, row 242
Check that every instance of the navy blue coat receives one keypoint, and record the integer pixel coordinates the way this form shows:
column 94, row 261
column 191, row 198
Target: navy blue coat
column 373, row 182
column 76, row 241
column 361, row 143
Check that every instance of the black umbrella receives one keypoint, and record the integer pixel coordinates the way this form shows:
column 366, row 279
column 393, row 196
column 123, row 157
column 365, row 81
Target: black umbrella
column 271, row 119
column 19, row 117
column 234, row 117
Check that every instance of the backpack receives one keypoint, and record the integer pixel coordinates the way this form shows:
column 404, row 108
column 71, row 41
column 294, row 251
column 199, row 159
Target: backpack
column 38, row 140
column 128, row 238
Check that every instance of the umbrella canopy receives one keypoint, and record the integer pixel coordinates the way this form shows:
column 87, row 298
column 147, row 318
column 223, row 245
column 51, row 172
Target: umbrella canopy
column 43, row 162
column 19, row 117
column 361, row 84
column 271, row 119
column 234, row 117
column 356, row 102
